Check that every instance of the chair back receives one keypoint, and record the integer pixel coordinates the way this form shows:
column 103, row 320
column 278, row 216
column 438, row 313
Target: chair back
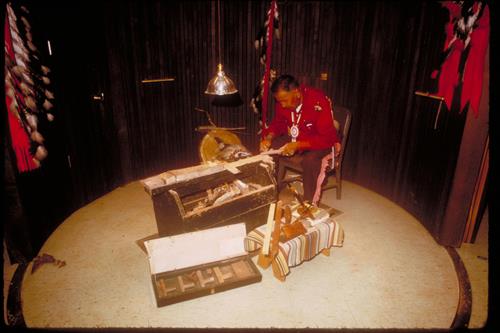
column 343, row 116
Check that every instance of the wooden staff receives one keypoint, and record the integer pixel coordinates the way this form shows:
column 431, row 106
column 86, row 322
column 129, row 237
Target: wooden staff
column 267, row 235
column 265, row 259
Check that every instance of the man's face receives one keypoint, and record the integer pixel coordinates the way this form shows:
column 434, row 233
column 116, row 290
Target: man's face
column 288, row 99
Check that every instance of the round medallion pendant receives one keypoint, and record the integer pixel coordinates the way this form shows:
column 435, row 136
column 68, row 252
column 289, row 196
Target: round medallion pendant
column 294, row 131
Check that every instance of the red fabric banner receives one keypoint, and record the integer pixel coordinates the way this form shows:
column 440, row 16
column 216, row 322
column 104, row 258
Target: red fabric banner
column 460, row 36
column 474, row 68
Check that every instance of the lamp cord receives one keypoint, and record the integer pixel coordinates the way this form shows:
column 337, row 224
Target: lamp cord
column 218, row 29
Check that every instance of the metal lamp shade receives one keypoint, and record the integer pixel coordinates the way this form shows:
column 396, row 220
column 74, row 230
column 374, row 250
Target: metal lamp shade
column 220, row 84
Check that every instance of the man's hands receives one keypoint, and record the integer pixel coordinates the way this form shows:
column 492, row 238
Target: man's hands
column 265, row 143
column 290, row 148
column 287, row 150
column 338, row 148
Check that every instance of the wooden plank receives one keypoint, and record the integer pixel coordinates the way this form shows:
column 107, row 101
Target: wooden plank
column 207, row 179
column 472, row 217
column 232, row 169
column 269, row 228
column 265, row 260
column 276, row 229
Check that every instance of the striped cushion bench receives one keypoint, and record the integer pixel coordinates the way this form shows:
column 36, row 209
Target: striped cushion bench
column 322, row 236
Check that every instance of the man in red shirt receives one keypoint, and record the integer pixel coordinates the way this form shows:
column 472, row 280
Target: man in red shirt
column 303, row 125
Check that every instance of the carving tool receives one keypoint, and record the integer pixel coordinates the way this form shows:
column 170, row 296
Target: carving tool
column 160, row 285
column 218, row 275
column 167, row 290
column 240, row 269
column 221, row 277
column 272, row 151
column 227, row 270
column 183, row 285
column 203, row 281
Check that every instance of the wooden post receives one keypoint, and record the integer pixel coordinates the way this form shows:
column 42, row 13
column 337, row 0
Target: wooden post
column 265, row 259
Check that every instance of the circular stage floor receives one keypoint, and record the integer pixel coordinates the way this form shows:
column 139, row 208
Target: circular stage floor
column 390, row 273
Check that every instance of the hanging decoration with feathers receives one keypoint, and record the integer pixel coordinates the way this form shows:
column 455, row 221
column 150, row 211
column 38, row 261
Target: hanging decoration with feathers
column 467, row 37
column 28, row 100
column 263, row 35
column 263, row 41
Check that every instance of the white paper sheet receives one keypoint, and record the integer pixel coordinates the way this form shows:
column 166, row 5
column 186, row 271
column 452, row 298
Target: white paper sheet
column 196, row 248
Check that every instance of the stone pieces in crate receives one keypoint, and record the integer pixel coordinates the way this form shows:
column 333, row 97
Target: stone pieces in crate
column 212, row 195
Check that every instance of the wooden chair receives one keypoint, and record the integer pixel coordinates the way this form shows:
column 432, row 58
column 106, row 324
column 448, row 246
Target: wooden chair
column 342, row 122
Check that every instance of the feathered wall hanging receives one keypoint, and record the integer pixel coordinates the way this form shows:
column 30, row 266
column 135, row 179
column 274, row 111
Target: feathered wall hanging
column 28, row 99
column 263, row 42
column 467, row 37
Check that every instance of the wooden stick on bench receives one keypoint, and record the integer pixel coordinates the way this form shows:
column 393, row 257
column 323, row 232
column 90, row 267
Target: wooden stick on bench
column 267, row 255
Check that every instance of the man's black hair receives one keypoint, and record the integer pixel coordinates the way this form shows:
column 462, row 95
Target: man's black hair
column 285, row 82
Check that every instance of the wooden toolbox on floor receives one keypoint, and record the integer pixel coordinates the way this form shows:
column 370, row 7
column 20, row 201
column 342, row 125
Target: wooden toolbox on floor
column 207, row 196
column 199, row 263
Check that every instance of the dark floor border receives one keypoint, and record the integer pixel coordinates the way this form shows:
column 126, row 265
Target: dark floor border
column 14, row 309
column 462, row 316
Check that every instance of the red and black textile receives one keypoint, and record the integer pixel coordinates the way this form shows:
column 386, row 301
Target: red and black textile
column 264, row 42
column 19, row 136
column 269, row 48
column 466, row 42
column 27, row 97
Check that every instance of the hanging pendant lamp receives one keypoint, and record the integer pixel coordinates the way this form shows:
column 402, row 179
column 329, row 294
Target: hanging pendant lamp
column 221, row 84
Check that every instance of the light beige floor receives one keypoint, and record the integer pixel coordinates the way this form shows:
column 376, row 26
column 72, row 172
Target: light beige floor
column 475, row 258
column 390, row 273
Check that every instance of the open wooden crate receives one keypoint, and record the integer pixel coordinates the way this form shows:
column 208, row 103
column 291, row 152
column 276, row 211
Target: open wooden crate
column 178, row 195
column 200, row 263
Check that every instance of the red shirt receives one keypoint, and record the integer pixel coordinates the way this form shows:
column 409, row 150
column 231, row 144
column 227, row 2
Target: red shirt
column 315, row 124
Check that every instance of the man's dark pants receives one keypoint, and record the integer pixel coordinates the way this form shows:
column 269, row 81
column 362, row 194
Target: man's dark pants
column 310, row 162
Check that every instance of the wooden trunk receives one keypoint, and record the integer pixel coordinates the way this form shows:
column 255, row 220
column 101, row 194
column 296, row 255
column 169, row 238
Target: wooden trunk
column 176, row 195
column 200, row 263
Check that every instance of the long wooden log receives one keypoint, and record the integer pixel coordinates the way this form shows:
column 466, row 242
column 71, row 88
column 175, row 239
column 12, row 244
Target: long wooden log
column 277, row 228
column 269, row 225
column 264, row 259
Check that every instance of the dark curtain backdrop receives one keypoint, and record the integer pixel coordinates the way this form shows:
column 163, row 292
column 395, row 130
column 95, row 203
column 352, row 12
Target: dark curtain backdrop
column 376, row 55
column 158, row 39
